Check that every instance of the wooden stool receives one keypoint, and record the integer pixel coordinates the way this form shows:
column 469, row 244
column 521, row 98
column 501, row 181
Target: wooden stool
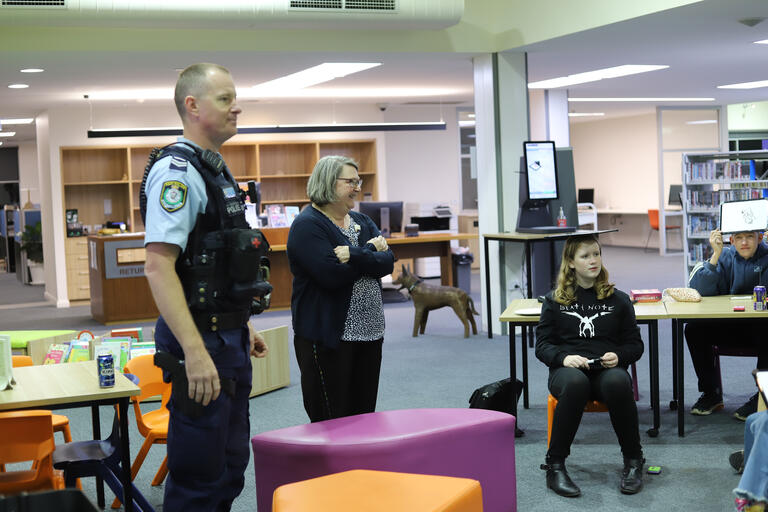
column 379, row 491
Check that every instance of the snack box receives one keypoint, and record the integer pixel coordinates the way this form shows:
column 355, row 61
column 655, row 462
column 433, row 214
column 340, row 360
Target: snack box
column 652, row 295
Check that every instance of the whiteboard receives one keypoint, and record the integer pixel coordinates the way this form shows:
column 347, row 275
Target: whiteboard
column 738, row 216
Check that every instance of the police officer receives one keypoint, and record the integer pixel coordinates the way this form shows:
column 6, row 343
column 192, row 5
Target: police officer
column 188, row 195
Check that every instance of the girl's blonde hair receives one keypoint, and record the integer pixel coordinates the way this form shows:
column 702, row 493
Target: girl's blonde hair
column 565, row 293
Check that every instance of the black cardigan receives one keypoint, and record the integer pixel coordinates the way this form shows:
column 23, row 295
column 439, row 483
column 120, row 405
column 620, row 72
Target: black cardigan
column 322, row 286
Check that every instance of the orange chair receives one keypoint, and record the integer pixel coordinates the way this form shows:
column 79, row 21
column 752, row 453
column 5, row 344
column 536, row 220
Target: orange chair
column 153, row 425
column 60, row 422
column 379, row 491
column 592, row 406
column 653, row 220
column 28, row 436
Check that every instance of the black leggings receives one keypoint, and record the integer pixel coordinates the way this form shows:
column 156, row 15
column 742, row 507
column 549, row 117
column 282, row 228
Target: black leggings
column 338, row 382
column 573, row 388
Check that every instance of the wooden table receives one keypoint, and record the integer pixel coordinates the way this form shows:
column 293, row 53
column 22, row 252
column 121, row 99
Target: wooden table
column 422, row 246
column 646, row 313
column 527, row 239
column 719, row 307
column 66, row 385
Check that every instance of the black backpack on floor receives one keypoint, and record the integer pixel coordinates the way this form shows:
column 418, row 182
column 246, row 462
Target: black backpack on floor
column 497, row 396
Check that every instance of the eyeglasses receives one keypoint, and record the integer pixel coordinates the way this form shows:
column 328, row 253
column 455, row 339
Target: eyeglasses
column 355, row 182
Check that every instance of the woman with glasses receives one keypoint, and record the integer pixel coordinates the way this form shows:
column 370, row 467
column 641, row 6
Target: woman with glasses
column 337, row 257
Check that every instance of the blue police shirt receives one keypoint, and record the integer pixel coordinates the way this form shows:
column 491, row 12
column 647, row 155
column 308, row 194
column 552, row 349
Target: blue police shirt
column 176, row 194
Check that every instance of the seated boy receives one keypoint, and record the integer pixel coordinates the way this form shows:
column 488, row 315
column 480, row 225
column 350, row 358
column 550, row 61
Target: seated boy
column 734, row 270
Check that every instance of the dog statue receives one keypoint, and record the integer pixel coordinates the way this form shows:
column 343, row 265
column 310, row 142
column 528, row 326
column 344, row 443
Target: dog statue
column 427, row 297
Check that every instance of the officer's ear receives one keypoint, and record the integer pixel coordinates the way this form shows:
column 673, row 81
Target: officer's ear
column 190, row 103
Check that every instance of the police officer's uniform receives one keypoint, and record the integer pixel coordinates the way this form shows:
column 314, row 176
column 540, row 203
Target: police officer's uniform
column 207, row 455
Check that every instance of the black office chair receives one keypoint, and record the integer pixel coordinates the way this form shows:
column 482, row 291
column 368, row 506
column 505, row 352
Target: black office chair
column 98, row 458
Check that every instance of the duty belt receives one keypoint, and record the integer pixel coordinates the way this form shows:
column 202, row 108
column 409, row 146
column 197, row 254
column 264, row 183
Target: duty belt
column 221, row 321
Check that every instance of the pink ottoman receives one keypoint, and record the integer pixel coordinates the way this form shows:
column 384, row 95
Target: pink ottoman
column 467, row 443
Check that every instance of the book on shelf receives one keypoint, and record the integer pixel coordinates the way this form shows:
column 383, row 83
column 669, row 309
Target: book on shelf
column 118, row 347
column 276, row 216
column 6, row 362
column 136, row 333
column 79, row 351
column 290, row 213
column 145, row 348
column 57, row 353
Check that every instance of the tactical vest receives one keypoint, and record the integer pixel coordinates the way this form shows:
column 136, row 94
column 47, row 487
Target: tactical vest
column 224, row 268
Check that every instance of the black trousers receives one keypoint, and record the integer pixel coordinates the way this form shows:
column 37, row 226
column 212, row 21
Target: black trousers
column 573, row 388
column 702, row 335
column 338, row 382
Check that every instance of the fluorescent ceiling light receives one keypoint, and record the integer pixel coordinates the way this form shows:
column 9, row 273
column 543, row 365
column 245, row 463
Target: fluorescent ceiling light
column 18, row 86
column 7, row 134
column 703, row 121
column 585, row 114
column 315, row 75
column 617, row 100
column 745, row 85
column 471, row 115
column 593, row 76
column 32, row 70
column 252, row 93
column 28, row 120
column 764, row 41
column 467, row 123
column 1, row 143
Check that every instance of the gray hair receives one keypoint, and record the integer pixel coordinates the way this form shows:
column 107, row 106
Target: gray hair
column 321, row 187
column 193, row 81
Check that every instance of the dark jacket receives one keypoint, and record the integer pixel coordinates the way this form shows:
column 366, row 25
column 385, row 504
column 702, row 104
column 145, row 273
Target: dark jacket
column 733, row 275
column 589, row 328
column 322, row 286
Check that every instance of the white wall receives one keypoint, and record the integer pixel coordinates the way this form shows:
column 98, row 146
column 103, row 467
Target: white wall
column 423, row 161
column 618, row 157
column 423, row 166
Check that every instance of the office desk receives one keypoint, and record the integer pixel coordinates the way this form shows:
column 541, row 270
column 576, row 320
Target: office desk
column 60, row 386
column 526, row 239
column 646, row 313
column 680, row 312
column 422, row 246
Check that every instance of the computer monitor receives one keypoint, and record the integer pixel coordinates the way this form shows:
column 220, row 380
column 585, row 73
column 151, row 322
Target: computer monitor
column 373, row 210
column 541, row 170
column 675, row 192
column 586, row 195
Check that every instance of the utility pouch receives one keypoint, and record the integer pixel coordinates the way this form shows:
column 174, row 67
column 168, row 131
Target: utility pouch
column 246, row 247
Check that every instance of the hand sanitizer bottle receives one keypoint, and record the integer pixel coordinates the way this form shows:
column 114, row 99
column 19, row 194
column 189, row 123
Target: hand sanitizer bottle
column 561, row 220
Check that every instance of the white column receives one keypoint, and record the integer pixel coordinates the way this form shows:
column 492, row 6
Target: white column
column 501, row 126
column 556, row 105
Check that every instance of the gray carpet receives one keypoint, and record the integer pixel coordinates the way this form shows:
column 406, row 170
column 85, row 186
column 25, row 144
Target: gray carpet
column 440, row 369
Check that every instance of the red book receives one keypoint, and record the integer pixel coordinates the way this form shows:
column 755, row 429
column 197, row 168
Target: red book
column 652, row 295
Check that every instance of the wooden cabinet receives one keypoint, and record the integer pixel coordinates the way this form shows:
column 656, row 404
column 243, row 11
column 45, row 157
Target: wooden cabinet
column 78, row 286
column 102, row 182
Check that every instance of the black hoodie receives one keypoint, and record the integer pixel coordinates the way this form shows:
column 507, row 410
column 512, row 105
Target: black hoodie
column 589, row 327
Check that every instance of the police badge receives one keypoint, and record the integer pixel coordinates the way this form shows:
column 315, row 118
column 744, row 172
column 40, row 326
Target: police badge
column 173, row 196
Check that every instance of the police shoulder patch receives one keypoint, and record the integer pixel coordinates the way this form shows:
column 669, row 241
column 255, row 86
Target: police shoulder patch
column 173, row 196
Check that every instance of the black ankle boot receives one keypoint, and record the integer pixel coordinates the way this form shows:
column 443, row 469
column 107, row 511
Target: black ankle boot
column 632, row 476
column 558, row 479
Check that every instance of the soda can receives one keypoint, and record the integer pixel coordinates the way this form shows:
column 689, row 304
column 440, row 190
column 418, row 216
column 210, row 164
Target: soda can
column 106, row 369
column 758, row 298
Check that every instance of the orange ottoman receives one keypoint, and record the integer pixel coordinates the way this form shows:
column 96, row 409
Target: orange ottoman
column 379, row 491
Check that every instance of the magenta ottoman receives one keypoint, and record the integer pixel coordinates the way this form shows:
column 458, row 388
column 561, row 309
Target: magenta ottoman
column 468, row 443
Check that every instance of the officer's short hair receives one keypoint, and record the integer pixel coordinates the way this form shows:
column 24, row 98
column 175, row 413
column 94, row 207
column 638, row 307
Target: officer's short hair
column 193, row 82
column 321, row 187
